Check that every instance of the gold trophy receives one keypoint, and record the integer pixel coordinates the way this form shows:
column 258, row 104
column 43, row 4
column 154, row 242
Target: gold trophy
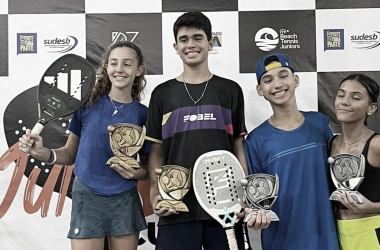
column 173, row 184
column 347, row 173
column 126, row 140
column 260, row 192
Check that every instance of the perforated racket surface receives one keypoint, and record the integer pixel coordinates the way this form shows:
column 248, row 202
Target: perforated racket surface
column 216, row 182
column 64, row 87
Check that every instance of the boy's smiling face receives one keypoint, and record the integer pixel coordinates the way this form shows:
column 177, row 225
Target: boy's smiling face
column 278, row 85
column 192, row 46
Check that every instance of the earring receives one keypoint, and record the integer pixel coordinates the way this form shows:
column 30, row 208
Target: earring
column 369, row 113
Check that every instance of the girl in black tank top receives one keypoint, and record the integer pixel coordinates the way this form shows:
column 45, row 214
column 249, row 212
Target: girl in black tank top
column 356, row 100
column 370, row 187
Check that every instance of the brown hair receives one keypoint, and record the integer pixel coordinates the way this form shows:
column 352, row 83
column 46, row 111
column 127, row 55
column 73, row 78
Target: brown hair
column 103, row 84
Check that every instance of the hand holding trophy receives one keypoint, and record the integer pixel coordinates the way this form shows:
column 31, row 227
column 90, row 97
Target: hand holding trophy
column 126, row 140
column 347, row 173
column 173, row 184
column 260, row 192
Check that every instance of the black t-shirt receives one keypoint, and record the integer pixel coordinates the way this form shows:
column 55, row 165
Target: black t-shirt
column 188, row 131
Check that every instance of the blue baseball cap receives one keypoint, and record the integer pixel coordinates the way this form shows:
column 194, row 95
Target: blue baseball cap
column 281, row 61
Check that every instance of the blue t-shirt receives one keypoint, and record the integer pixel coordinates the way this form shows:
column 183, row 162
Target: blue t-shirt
column 299, row 158
column 90, row 124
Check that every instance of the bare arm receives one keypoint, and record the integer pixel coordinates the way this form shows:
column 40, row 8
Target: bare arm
column 374, row 152
column 144, row 165
column 239, row 152
column 65, row 155
column 262, row 219
column 156, row 159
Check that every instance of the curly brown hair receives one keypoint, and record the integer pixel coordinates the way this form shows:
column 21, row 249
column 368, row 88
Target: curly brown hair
column 103, row 84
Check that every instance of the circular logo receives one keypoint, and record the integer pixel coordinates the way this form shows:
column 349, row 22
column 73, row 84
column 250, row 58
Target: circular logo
column 266, row 39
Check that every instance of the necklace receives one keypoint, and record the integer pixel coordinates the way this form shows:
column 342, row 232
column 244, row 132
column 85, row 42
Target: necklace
column 115, row 109
column 195, row 102
column 357, row 141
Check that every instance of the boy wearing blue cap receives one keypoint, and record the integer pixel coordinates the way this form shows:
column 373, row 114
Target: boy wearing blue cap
column 292, row 144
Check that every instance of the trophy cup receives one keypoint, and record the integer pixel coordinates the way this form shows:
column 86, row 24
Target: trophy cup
column 173, row 183
column 126, row 140
column 347, row 173
column 260, row 192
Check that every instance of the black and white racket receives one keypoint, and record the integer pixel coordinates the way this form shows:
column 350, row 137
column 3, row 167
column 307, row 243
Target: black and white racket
column 64, row 88
column 216, row 182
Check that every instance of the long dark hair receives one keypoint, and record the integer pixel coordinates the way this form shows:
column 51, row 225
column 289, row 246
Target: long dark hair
column 369, row 84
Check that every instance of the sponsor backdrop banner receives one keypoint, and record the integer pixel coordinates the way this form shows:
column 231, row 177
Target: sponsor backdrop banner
column 143, row 29
column 288, row 32
column 325, row 40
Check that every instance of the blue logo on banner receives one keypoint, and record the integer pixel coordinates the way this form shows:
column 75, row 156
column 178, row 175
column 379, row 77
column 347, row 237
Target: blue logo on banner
column 217, row 39
column 334, row 39
column 26, row 43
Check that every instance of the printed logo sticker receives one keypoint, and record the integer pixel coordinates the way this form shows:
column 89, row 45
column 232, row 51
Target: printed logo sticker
column 127, row 36
column 218, row 43
column 26, row 43
column 333, row 39
column 60, row 45
column 366, row 41
column 266, row 39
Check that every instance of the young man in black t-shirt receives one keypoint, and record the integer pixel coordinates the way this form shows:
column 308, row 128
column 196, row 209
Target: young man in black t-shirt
column 195, row 113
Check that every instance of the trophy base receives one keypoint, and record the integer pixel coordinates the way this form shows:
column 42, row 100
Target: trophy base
column 272, row 215
column 356, row 196
column 127, row 160
column 172, row 204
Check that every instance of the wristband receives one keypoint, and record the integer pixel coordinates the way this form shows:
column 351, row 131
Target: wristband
column 52, row 158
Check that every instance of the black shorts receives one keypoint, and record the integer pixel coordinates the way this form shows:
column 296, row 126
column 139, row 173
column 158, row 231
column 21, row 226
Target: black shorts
column 195, row 234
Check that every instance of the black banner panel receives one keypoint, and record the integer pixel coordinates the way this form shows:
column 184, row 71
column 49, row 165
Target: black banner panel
column 288, row 32
column 143, row 29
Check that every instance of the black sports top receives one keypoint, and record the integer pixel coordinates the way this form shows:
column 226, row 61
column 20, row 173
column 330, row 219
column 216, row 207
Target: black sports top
column 370, row 187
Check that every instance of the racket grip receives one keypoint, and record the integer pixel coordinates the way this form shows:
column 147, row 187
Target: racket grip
column 36, row 130
column 231, row 238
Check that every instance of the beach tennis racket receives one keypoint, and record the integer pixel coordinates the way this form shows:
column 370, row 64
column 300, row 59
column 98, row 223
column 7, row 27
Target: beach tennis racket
column 64, row 87
column 216, row 182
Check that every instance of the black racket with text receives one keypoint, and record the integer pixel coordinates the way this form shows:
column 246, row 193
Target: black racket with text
column 65, row 87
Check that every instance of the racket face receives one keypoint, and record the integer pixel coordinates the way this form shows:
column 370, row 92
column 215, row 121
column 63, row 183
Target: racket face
column 22, row 113
column 65, row 87
column 216, row 182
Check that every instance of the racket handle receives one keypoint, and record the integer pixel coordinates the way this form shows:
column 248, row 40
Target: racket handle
column 36, row 130
column 231, row 238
